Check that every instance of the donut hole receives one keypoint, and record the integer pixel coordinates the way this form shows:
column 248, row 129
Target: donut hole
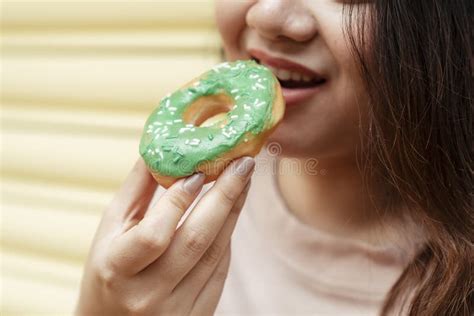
column 209, row 110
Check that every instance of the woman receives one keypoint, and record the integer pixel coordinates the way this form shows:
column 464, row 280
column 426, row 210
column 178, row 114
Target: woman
column 379, row 95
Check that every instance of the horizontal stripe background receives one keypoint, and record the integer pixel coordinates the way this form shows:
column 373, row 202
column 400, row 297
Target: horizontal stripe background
column 78, row 81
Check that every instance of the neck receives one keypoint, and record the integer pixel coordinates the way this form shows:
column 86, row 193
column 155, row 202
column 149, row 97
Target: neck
column 334, row 199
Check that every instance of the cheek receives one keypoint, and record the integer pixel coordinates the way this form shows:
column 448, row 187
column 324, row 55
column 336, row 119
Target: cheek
column 231, row 22
column 329, row 124
column 326, row 126
column 347, row 75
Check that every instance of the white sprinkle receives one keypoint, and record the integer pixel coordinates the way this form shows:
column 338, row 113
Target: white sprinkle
column 228, row 131
column 165, row 134
column 234, row 117
column 237, row 97
column 157, row 123
column 223, row 65
column 189, row 125
column 258, row 85
column 246, row 115
column 161, row 155
column 178, row 121
column 194, row 142
column 226, row 134
column 234, row 107
column 159, row 112
column 169, row 123
column 186, row 142
column 246, row 107
column 259, row 104
column 234, row 91
column 167, row 103
column 254, row 76
column 172, row 108
column 253, row 88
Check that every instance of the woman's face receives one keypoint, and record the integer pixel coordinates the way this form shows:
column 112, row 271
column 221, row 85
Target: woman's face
column 302, row 41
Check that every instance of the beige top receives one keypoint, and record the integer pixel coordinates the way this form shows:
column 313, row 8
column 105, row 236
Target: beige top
column 280, row 266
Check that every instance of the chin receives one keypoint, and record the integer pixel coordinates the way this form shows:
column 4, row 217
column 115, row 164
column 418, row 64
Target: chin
column 290, row 142
column 307, row 142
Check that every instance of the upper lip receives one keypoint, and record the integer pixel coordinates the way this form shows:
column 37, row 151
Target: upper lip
column 283, row 64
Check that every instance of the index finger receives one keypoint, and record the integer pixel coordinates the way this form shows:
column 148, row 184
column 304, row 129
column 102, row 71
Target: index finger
column 135, row 194
column 205, row 221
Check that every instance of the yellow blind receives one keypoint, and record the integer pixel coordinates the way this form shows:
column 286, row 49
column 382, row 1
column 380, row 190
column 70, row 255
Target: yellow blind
column 78, row 80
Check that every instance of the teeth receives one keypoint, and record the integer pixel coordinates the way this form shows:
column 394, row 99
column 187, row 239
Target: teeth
column 283, row 74
column 295, row 76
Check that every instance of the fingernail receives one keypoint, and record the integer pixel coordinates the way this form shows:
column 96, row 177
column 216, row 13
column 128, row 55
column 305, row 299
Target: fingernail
column 244, row 166
column 193, row 183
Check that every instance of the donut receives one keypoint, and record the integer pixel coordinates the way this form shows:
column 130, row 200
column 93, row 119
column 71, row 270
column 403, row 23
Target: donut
column 226, row 113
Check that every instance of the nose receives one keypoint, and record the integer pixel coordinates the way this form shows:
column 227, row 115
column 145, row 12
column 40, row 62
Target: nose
column 277, row 19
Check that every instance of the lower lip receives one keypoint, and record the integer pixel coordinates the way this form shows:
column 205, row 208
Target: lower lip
column 294, row 97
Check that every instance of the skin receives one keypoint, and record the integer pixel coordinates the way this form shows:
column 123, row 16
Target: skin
column 141, row 264
column 326, row 127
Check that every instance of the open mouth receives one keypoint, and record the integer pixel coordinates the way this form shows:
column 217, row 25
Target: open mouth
column 293, row 79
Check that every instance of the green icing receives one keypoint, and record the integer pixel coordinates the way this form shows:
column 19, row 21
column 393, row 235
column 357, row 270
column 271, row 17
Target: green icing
column 171, row 147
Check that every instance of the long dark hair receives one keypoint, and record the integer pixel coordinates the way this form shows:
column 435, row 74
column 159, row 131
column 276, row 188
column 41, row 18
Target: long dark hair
column 416, row 59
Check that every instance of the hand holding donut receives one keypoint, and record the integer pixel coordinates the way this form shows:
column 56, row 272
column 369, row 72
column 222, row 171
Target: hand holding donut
column 141, row 264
